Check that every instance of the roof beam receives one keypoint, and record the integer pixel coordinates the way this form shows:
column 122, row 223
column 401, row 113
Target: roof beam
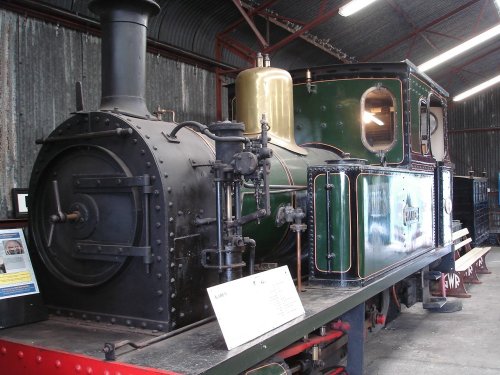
column 263, row 43
column 315, row 22
column 419, row 30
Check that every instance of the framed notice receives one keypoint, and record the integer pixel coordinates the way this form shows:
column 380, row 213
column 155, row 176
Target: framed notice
column 20, row 300
column 20, row 203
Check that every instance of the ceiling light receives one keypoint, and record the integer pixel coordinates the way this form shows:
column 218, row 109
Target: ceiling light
column 353, row 7
column 491, row 33
column 477, row 88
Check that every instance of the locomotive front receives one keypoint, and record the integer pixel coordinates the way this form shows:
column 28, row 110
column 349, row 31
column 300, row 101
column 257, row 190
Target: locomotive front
column 132, row 218
column 110, row 198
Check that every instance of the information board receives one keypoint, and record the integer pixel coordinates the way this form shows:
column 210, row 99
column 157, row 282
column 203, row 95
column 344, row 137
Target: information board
column 16, row 272
column 20, row 300
column 251, row 306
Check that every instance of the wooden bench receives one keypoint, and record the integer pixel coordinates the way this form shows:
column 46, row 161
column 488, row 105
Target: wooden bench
column 468, row 264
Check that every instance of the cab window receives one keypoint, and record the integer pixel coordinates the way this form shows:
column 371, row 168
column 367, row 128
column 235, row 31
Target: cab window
column 378, row 119
column 424, row 128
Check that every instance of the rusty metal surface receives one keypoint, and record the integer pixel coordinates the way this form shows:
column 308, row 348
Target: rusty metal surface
column 39, row 64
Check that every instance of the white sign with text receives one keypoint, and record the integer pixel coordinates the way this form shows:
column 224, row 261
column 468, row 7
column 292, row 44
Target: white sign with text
column 251, row 306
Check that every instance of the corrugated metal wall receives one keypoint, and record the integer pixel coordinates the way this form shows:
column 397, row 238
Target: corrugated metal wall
column 472, row 146
column 39, row 64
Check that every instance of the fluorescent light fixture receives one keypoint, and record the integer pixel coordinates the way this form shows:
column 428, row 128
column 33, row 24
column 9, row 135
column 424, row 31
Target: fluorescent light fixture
column 353, row 7
column 477, row 88
column 445, row 56
column 367, row 117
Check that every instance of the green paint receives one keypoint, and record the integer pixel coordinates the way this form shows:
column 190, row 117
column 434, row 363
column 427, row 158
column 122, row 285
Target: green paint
column 339, row 222
column 332, row 115
column 395, row 218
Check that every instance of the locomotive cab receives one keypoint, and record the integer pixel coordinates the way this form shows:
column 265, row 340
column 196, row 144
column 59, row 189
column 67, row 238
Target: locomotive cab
column 385, row 113
column 388, row 201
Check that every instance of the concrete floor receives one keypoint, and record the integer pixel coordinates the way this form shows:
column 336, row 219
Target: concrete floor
column 420, row 342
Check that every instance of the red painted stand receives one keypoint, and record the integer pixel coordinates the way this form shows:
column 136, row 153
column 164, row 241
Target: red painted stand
column 20, row 359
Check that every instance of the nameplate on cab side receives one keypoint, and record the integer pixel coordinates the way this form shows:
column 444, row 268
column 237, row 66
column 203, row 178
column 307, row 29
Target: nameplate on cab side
column 251, row 306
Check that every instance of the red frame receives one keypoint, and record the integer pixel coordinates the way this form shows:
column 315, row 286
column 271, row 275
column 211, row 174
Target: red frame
column 21, row 359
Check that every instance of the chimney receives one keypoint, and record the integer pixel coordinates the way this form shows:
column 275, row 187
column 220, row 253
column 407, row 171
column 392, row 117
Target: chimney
column 123, row 66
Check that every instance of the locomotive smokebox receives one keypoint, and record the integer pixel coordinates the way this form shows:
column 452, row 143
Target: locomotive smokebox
column 124, row 28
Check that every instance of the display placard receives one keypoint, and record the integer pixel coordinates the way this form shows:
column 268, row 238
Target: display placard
column 20, row 300
column 251, row 306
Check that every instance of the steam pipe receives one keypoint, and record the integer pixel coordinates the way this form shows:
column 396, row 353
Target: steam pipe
column 123, row 54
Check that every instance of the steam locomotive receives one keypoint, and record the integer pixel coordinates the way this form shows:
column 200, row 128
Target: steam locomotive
column 132, row 217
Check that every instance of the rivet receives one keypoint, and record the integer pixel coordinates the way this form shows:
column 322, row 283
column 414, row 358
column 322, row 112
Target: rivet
column 158, row 224
column 170, row 204
column 147, row 136
column 173, row 309
column 3, row 350
column 89, row 370
column 169, row 189
column 144, row 324
column 58, row 363
column 159, row 276
column 172, row 280
column 160, row 309
column 148, row 164
column 155, row 148
column 171, row 219
column 174, row 324
column 156, row 192
column 128, row 322
column 157, row 208
column 159, row 292
column 180, row 213
column 84, row 316
column 158, row 242
column 158, row 258
column 143, row 152
column 134, row 141
column 113, row 320
column 181, row 315
column 161, row 161
column 78, row 368
column 165, row 175
column 172, row 234
column 172, row 295
column 180, row 265
column 171, row 249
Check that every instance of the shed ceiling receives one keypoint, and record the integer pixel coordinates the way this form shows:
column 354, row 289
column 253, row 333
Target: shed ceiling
column 387, row 30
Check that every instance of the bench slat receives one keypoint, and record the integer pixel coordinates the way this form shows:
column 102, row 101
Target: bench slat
column 459, row 233
column 459, row 245
column 467, row 260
